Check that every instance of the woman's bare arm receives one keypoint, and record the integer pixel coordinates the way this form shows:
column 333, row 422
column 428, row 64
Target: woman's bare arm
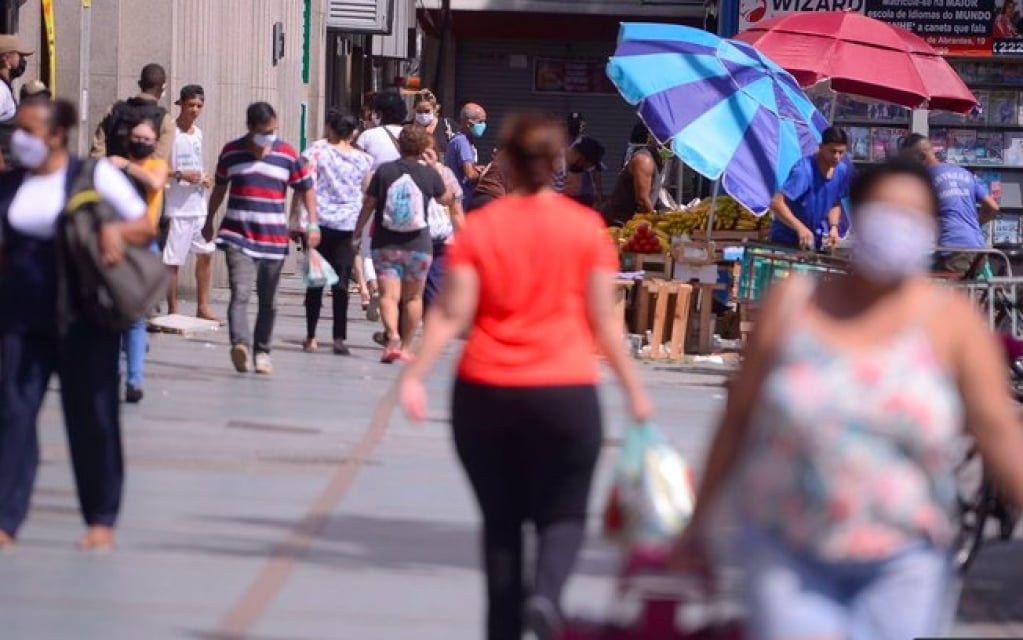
column 743, row 391
column 607, row 329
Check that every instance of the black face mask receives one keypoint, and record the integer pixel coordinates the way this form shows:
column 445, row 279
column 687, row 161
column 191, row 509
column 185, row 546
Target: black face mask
column 141, row 149
column 19, row 70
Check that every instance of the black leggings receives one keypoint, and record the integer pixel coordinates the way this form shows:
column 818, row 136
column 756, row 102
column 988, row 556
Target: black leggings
column 336, row 248
column 529, row 453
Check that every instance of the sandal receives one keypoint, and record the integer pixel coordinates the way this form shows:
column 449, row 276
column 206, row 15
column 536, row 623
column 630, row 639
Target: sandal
column 310, row 345
column 392, row 352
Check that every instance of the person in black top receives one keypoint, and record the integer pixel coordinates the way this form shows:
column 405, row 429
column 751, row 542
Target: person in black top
column 402, row 250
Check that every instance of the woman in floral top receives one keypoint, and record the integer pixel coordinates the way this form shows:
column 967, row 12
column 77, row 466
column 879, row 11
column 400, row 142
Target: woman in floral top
column 340, row 172
column 840, row 433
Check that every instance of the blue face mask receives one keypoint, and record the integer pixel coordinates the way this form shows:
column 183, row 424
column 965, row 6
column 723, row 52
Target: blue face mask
column 478, row 129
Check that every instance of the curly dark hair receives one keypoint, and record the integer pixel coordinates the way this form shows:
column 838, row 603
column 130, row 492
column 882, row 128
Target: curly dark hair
column 391, row 107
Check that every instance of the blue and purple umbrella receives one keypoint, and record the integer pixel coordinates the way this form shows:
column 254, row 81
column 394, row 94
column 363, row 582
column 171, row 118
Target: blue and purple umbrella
column 724, row 108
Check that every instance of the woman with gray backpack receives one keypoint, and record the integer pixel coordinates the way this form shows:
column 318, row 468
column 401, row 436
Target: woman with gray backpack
column 398, row 201
column 48, row 326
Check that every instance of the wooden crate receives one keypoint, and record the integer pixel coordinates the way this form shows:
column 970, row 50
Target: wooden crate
column 659, row 291
column 655, row 264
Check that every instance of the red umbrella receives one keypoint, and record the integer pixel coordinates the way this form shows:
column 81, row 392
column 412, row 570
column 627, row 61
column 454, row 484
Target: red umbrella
column 862, row 56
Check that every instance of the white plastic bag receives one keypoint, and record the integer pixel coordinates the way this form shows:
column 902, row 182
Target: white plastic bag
column 652, row 497
column 317, row 272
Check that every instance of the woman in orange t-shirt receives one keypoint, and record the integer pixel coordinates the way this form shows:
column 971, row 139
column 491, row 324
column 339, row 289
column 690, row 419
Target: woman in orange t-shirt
column 533, row 274
column 149, row 174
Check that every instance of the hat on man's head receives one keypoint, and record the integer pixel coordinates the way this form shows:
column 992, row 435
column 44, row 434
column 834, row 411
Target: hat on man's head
column 191, row 91
column 10, row 43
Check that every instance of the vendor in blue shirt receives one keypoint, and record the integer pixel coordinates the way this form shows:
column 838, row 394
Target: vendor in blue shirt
column 807, row 209
column 959, row 195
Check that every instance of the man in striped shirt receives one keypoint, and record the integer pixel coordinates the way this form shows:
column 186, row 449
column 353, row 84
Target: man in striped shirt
column 254, row 173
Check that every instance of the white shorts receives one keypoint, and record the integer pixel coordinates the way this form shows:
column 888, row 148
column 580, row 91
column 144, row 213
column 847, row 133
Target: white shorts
column 185, row 237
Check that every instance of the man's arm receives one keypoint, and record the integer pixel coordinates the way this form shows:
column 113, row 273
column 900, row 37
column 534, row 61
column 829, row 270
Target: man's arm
column 989, row 209
column 642, row 167
column 166, row 142
column 834, row 222
column 471, row 171
column 781, row 209
column 466, row 155
column 216, row 199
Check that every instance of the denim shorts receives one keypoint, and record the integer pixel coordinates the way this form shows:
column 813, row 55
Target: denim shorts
column 790, row 594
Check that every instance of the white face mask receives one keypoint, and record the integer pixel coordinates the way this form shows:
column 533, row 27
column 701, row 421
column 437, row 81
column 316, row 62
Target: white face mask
column 891, row 244
column 30, row 152
column 424, row 119
column 264, row 139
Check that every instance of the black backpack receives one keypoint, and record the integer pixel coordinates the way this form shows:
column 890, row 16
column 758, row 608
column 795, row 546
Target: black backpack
column 115, row 296
column 124, row 115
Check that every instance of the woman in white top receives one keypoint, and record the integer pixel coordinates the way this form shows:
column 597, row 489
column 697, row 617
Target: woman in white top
column 84, row 356
column 341, row 172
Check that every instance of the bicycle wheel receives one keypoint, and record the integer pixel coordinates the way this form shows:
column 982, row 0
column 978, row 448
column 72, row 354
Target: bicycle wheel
column 975, row 494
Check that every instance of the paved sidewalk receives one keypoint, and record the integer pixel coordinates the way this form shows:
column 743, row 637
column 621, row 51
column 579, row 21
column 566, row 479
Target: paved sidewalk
column 278, row 508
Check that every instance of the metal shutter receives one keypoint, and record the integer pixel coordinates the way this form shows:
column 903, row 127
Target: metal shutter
column 396, row 44
column 360, row 16
column 485, row 75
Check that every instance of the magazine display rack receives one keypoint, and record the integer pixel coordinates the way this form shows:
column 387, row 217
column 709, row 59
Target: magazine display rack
column 987, row 141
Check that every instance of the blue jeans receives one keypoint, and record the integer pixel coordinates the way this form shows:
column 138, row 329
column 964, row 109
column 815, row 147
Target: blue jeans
column 135, row 342
column 791, row 594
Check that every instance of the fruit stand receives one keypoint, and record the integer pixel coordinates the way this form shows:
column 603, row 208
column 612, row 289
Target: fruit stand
column 679, row 263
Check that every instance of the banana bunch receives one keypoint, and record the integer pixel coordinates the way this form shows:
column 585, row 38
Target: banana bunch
column 729, row 215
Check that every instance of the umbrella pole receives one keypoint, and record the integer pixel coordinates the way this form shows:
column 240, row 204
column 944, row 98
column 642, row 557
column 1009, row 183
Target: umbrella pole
column 713, row 206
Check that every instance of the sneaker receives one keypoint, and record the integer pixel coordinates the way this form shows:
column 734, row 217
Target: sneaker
column 132, row 395
column 263, row 364
column 373, row 310
column 240, row 357
column 542, row 618
column 341, row 349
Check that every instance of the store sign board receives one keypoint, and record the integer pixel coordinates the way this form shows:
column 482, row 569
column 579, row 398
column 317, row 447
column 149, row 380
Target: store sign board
column 571, row 75
column 956, row 27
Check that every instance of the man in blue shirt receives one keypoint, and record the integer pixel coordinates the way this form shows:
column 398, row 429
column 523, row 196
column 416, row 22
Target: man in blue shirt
column 959, row 194
column 461, row 155
column 807, row 209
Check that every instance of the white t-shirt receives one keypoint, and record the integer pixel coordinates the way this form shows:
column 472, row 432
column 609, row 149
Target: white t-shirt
column 8, row 107
column 186, row 200
column 40, row 200
column 379, row 145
